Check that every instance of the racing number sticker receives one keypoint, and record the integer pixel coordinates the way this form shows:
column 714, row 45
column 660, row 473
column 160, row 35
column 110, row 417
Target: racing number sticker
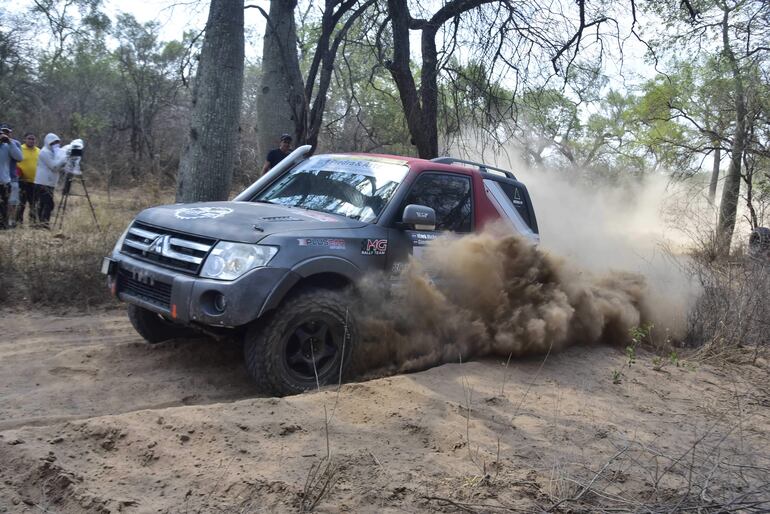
column 374, row 246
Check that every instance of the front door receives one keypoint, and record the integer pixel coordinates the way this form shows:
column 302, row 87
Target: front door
column 451, row 196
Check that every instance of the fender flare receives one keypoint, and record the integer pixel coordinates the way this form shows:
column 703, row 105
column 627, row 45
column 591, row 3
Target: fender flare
column 305, row 269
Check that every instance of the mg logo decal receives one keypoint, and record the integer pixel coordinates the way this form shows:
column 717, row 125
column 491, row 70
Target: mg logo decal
column 374, row 246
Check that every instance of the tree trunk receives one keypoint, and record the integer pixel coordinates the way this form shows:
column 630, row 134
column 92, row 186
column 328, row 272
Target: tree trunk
column 422, row 129
column 728, row 207
column 281, row 102
column 715, row 173
column 428, row 144
column 206, row 165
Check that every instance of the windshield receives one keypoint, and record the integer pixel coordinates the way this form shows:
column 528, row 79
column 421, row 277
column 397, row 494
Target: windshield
column 355, row 187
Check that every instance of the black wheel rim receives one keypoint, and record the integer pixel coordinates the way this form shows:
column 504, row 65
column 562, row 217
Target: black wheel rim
column 312, row 347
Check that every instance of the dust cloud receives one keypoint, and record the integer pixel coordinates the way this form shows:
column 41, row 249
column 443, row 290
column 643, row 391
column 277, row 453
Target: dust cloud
column 487, row 294
column 609, row 260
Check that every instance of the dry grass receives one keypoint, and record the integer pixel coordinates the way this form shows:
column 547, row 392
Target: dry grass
column 62, row 267
column 734, row 309
column 713, row 474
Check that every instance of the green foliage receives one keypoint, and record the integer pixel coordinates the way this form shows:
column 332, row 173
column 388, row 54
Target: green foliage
column 673, row 358
column 641, row 334
column 83, row 85
column 630, row 355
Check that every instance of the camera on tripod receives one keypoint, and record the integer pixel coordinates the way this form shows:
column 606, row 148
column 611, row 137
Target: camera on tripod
column 72, row 173
column 74, row 152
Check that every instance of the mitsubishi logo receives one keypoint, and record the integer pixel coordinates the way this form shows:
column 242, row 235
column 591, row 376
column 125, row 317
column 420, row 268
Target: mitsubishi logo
column 158, row 244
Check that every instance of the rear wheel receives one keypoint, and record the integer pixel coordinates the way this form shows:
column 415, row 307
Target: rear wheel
column 153, row 327
column 306, row 343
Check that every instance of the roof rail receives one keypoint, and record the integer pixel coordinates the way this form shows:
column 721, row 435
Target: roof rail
column 484, row 168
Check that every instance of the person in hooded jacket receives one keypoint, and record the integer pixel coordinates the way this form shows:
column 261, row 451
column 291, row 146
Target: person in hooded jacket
column 50, row 162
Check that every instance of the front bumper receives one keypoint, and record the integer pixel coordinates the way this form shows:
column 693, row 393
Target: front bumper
column 190, row 299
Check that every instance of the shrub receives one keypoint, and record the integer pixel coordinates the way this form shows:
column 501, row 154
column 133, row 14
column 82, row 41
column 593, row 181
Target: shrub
column 62, row 267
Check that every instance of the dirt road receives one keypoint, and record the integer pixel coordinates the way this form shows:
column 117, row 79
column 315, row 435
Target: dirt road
column 55, row 368
column 94, row 420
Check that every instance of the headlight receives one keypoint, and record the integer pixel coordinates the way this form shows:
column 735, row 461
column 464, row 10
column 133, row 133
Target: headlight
column 228, row 261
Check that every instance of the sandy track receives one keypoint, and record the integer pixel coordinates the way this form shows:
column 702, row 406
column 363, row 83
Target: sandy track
column 54, row 368
column 96, row 421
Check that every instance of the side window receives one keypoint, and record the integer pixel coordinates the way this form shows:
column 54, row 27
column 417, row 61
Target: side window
column 448, row 195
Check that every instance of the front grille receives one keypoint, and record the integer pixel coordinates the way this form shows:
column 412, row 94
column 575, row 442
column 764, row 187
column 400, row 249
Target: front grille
column 157, row 293
column 168, row 248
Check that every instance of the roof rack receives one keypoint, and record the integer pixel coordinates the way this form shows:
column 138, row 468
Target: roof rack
column 484, row 168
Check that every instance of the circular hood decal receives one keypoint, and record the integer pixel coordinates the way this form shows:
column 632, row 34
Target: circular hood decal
column 196, row 213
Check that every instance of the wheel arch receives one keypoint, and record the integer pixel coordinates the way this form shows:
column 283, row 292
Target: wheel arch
column 332, row 273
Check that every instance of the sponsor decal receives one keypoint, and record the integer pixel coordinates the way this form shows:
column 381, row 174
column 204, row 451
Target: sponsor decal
column 423, row 238
column 374, row 246
column 332, row 244
column 517, row 197
column 398, row 267
column 196, row 213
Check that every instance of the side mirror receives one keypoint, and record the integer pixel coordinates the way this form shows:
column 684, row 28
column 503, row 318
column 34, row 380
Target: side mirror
column 420, row 217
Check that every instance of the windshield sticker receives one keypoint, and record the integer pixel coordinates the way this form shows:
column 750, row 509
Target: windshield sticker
column 422, row 239
column 369, row 158
column 388, row 171
column 374, row 246
column 197, row 213
column 332, row 244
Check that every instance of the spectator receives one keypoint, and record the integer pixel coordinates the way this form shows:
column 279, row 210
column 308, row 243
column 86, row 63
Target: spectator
column 50, row 162
column 13, row 197
column 26, row 170
column 276, row 155
column 10, row 153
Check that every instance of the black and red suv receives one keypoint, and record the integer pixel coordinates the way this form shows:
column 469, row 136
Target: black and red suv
column 274, row 264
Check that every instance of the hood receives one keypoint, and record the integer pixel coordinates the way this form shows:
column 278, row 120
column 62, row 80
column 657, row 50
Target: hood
column 244, row 222
column 50, row 138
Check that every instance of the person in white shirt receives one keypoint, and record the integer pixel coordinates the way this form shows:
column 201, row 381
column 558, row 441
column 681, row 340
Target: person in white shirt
column 50, row 163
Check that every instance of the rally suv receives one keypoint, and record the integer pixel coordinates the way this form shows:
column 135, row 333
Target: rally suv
column 276, row 265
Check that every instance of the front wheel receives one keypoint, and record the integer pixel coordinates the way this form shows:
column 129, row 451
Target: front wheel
column 153, row 327
column 306, row 343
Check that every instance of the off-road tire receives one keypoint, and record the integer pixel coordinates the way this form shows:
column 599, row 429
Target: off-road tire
column 153, row 327
column 759, row 243
column 269, row 346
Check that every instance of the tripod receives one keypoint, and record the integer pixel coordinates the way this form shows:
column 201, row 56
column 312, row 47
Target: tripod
column 66, row 192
